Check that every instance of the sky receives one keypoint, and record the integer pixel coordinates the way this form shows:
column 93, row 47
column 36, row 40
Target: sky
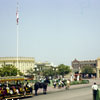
column 57, row 31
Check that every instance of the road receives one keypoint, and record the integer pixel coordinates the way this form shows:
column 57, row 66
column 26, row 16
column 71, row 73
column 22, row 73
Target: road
column 73, row 94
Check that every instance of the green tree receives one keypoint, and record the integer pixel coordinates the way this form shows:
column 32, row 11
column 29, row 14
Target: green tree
column 87, row 70
column 63, row 70
column 9, row 70
column 48, row 72
column 30, row 71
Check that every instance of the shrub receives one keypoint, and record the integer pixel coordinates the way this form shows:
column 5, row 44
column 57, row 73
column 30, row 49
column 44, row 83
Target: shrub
column 85, row 81
column 80, row 82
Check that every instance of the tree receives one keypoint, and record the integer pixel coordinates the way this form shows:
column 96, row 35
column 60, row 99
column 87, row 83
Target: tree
column 30, row 71
column 87, row 70
column 48, row 72
column 63, row 69
column 9, row 70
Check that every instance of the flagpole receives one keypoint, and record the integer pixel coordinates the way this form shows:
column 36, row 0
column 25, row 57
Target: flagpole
column 17, row 18
column 17, row 44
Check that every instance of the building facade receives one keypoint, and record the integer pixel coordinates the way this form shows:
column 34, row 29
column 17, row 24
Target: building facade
column 78, row 65
column 24, row 63
column 41, row 66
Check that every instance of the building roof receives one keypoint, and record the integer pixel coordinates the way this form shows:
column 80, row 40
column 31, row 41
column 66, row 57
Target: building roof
column 15, row 59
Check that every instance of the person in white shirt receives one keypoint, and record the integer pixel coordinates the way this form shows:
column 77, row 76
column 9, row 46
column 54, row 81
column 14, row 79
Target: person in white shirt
column 78, row 77
column 94, row 88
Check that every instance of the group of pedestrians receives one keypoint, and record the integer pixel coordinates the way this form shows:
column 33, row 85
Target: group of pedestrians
column 61, row 83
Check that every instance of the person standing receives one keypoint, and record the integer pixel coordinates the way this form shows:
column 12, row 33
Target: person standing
column 71, row 78
column 94, row 88
column 68, row 84
column 78, row 77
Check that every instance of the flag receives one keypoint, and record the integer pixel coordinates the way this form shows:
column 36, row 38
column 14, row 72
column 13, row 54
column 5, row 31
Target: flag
column 17, row 16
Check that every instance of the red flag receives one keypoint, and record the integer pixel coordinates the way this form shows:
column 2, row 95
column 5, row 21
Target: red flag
column 17, row 16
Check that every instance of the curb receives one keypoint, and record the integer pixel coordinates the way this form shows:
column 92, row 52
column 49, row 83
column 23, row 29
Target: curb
column 71, row 88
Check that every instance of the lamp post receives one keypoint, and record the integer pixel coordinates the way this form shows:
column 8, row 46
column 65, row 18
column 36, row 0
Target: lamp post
column 35, row 67
column 55, row 70
column 37, row 72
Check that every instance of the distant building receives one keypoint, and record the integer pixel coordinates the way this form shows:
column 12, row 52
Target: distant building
column 24, row 63
column 41, row 66
column 78, row 65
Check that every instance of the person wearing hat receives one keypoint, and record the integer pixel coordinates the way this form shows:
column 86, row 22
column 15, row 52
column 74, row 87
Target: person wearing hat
column 94, row 88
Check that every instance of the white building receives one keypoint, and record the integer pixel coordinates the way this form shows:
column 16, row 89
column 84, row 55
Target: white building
column 24, row 63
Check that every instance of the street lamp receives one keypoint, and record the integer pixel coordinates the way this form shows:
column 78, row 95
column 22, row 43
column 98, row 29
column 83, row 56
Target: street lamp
column 37, row 72
column 55, row 70
column 35, row 67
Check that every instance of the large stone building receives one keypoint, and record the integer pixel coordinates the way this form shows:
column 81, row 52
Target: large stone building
column 78, row 65
column 24, row 63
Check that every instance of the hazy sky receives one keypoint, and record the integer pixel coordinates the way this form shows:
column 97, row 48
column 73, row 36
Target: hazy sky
column 56, row 31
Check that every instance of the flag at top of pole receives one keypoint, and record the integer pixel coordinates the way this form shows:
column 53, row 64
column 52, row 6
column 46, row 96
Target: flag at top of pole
column 17, row 15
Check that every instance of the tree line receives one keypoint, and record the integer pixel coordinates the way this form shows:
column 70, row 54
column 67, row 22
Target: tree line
column 11, row 70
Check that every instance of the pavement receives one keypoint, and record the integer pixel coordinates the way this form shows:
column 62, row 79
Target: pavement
column 52, row 89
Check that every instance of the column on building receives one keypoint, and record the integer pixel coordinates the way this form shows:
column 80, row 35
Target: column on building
column 98, row 68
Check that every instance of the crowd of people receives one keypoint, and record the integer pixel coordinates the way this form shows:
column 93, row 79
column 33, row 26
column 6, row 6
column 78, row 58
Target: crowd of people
column 14, row 89
column 61, row 82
